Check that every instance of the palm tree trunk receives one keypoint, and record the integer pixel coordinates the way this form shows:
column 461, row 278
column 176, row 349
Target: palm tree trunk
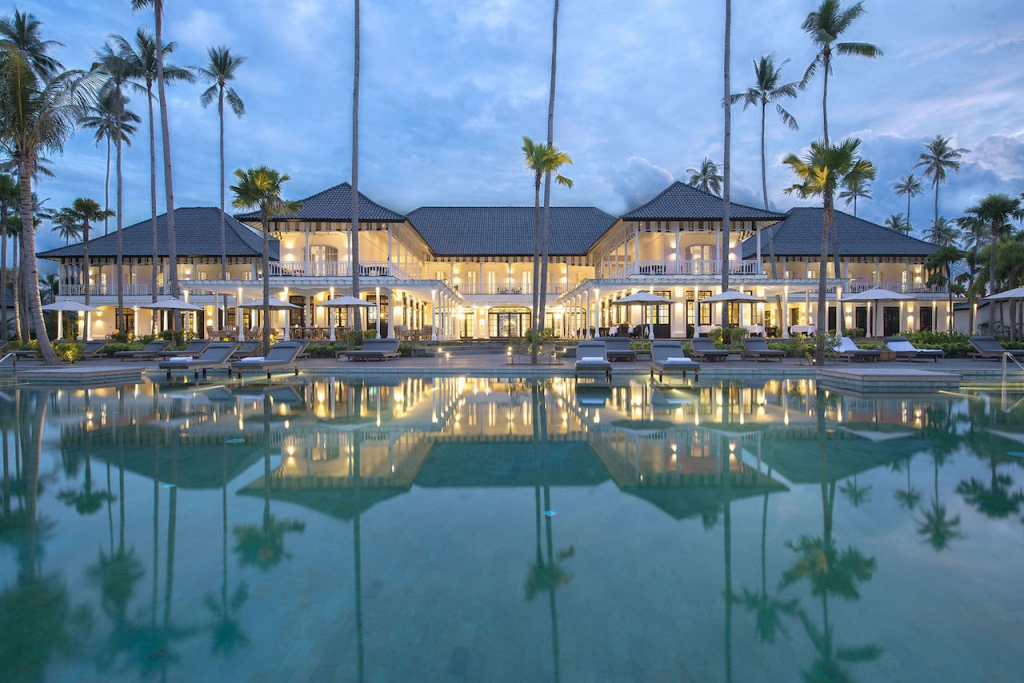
column 991, row 271
column 265, row 220
column 223, row 233
column 106, row 189
column 909, row 225
column 120, row 224
column 936, row 200
column 771, row 231
column 825, row 63
column 152, row 200
column 534, row 349
column 542, row 281
column 18, row 310
column 354, row 238
column 3, row 276
column 819, row 338
column 726, row 168
column 85, row 267
column 165, row 133
column 30, row 272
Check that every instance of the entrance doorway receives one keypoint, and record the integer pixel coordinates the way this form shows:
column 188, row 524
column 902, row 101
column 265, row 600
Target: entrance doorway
column 508, row 322
column 926, row 318
column 890, row 321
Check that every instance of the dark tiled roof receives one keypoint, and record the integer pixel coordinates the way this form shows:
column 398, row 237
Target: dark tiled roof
column 680, row 202
column 507, row 230
column 800, row 235
column 335, row 204
column 197, row 232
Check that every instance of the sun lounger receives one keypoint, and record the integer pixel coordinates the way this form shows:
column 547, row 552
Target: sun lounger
column 282, row 355
column 850, row 351
column 246, row 349
column 617, row 348
column 757, row 349
column 592, row 360
column 215, row 356
column 989, row 347
column 704, row 349
column 668, row 357
column 907, row 351
column 151, row 351
column 195, row 349
column 373, row 349
column 91, row 349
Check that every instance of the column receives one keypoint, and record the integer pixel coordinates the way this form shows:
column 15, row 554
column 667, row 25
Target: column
column 306, row 249
column 389, row 255
column 238, row 315
column 839, row 311
column 759, row 266
column 433, row 314
column 586, row 317
column 330, row 319
column 480, row 279
column 636, row 244
column 391, row 310
column 377, row 292
column 785, row 312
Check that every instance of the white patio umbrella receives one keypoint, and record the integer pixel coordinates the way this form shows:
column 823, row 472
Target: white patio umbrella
column 274, row 304
column 70, row 307
column 645, row 299
column 877, row 294
column 346, row 301
column 1017, row 293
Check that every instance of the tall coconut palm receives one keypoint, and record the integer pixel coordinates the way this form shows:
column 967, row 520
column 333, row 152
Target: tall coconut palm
column 39, row 116
column 825, row 26
column 67, row 226
column 541, row 159
column 142, row 57
column 768, row 89
column 165, row 135
column 260, row 188
column 118, row 72
column 942, row 232
column 88, row 211
column 910, row 187
column 220, row 71
column 706, row 178
column 941, row 264
column 354, row 230
column 9, row 201
column 102, row 118
column 973, row 234
column 820, row 172
column 938, row 160
column 857, row 185
column 898, row 223
column 727, row 150
column 14, row 230
column 996, row 210
column 541, row 282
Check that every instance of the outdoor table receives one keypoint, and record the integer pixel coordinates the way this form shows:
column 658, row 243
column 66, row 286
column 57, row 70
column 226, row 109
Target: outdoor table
column 756, row 329
column 803, row 329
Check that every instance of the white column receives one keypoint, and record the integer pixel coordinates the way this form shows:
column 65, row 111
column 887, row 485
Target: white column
column 238, row 315
column 377, row 291
column 330, row 319
column 60, row 324
column 586, row 317
column 480, row 280
column 759, row 266
column 389, row 248
column 839, row 311
column 679, row 254
column 785, row 312
column 433, row 314
column 636, row 244
column 306, row 249
column 135, row 331
column 391, row 313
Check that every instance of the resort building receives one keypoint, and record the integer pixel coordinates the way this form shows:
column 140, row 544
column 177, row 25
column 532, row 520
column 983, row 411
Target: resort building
column 467, row 272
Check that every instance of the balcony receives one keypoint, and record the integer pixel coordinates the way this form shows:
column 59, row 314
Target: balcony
column 687, row 268
column 496, row 289
column 337, row 269
column 104, row 290
column 912, row 288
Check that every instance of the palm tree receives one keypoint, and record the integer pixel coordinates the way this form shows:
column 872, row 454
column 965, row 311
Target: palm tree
column 726, row 152
column 260, row 188
column 996, row 210
column 67, row 225
column 824, row 27
column 14, row 230
column 941, row 262
column 857, row 495
column 820, row 173
column 220, row 70
column 936, row 527
column 142, row 57
column 769, row 89
column 87, row 211
column 942, row 232
column 898, row 223
column 706, row 178
column 102, row 118
column 9, row 200
column 119, row 73
column 973, row 232
column 910, row 187
column 542, row 159
column 165, row 134
column 354, row 230
column 938, row 159
column 909, row 498
column 542, row 281
column 39, row 116
column 857, row 184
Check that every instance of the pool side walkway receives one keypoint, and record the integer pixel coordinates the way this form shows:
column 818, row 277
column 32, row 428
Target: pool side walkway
column 881, row 376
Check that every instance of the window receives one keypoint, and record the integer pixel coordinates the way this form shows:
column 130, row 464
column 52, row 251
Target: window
column 661, row 313
column 323, row 252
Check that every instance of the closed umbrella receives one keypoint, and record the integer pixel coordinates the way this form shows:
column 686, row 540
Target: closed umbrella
column 67, row 306
column 346, row 301
column 644, row 299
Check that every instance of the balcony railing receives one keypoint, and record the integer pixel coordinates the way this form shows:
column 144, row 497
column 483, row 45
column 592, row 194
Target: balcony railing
column 105, row 290
column 502, row 289
column 907, row 288
column 337, row 269
column 688, row 268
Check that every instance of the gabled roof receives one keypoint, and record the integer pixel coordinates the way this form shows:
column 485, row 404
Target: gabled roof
column 335, row 205
column 507, row 230
column 680, row 202
column 800, row 235
column 197, row 233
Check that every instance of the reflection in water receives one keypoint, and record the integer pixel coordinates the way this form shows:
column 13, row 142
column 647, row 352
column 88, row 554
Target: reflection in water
column 291, row 469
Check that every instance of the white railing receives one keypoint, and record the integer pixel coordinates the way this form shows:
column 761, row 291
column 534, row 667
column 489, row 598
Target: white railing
column 913, row 288
column 104, row 290
column 688, row 268
column 337, row 269
column 501, row 289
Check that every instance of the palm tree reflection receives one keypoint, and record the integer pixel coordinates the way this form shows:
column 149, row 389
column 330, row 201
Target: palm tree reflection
column 227, row 629
column 935, row 525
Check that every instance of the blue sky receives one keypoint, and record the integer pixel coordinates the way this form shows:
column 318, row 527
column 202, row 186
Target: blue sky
column 450, row 86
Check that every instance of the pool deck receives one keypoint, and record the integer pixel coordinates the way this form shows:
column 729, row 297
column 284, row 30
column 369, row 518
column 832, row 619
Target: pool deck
column 889, row 377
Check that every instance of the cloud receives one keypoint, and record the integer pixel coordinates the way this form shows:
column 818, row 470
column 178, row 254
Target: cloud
column 639, row 181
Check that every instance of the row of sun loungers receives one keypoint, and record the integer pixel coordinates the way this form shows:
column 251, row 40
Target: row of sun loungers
column 667, row 357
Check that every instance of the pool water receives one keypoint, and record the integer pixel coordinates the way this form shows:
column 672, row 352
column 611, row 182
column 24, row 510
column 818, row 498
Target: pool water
column 463, row 529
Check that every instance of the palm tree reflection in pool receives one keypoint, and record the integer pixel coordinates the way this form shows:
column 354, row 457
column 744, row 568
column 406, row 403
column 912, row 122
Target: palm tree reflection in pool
column 227, row 630
column 935, row 525
column 908, row 499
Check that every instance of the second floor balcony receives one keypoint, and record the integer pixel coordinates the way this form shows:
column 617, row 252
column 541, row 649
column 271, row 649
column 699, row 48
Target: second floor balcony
column 338, row 269
column 67, row 289
column 687, row 268
column 858, row 286
column 506, row 289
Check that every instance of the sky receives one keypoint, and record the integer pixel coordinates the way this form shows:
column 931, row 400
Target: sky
column 449, row 87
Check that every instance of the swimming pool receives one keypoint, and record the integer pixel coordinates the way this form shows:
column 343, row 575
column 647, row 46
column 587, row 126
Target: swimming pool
column 484, row 529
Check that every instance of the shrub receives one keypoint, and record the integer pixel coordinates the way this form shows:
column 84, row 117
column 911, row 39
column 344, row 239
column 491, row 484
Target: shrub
column 120, row 337
column 110, row 349
column 954, row 344
column 854, row 332
column 68, row 351
column 405, row 350
column 640, row 345
column 324, row 350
